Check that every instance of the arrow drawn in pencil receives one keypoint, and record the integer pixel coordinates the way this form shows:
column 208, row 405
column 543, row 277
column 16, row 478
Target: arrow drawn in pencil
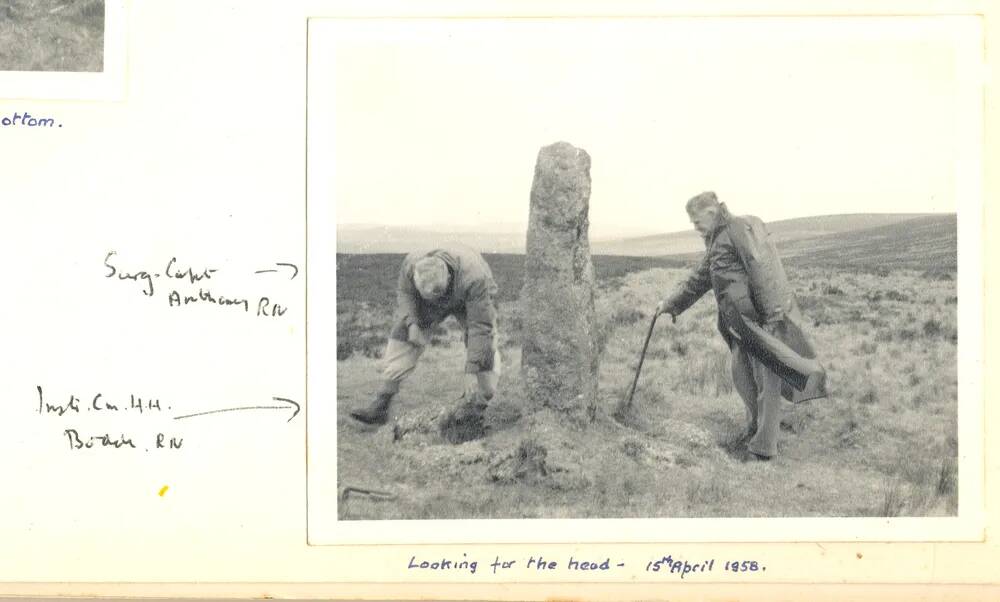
column 295, row 269
column 289, row 404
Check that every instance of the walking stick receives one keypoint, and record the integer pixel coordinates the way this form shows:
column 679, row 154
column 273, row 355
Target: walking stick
column 625, row 405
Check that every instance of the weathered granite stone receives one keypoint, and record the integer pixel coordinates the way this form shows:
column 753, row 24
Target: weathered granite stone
column 559, row 351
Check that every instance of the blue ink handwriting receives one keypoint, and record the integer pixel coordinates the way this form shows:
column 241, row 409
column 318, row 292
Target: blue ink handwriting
column 28, row 120
column 678, row 566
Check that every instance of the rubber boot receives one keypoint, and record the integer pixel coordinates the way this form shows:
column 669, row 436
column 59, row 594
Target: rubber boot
column 377, row 412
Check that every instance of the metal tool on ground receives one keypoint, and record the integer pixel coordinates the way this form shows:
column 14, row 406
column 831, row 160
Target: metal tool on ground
column 623, row 413
column 350, row 492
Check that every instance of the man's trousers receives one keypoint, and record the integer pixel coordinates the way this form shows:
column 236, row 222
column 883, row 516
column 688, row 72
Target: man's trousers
column 760, row 389
column 401, row 358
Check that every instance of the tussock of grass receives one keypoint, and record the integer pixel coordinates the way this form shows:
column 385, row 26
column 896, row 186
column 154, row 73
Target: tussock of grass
column 892, row 499
column 947, row 482
column 938, row 274
column 710, row 491
column 868, row 395
column 849, row 434
column 658, row 353
column 932, row 328
column 626, row 316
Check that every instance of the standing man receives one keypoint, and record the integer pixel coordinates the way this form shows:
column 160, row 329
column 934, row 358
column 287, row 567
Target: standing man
column 758, row 318
column 432, row 286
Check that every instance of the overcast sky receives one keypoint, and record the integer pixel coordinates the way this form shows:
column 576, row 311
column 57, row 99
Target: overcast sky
column 440, row 122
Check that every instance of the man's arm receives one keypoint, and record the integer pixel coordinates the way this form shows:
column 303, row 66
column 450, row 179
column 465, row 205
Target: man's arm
column 698, row 282
column 406, row 302
column 480, row 317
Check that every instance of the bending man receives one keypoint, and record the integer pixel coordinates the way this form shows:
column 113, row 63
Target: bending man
column 432, row 286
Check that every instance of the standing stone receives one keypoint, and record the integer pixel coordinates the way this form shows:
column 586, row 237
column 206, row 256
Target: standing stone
column 559, row 354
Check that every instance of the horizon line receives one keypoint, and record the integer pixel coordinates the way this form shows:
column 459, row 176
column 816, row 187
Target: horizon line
column 481, row 227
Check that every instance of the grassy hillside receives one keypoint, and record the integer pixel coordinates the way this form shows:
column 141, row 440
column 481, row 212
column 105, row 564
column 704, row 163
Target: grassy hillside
column 51, row 35
column 883, row 444
column 803, row 227
column 880, row 304
column 923, row 243
column 372, row 278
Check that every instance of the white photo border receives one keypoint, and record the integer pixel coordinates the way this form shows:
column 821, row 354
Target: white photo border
column 323, row 527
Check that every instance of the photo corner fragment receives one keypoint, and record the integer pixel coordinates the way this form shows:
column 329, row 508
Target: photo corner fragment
column 62, row 50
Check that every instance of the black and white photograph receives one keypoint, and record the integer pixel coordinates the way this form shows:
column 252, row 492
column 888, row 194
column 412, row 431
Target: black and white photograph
column 584, row 269
column 52, row 35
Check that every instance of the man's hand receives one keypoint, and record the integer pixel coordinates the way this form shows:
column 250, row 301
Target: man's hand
column 471, row 386
column 416, row 336
column 774, row 325
column 663, row 308
column 775, row 317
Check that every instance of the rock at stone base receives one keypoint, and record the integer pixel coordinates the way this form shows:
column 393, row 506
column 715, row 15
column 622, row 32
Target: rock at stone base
column 526, row 463
column 536, row 465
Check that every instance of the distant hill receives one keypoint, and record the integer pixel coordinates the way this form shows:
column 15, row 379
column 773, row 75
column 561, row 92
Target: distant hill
column 868, row 241
column 509, row 238
column 677, row 243
column 923, row 243
column 927, row 242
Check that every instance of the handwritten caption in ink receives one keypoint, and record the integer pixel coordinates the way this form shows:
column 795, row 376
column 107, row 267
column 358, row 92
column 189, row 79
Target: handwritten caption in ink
column 539, row 563
column 86, row 420
column 666, row 565
column 27, row 120
column 185, row 285
column 678, row 566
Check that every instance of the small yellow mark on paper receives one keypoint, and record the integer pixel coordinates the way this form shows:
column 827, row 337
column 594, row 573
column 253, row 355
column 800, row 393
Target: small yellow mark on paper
column 163, row 490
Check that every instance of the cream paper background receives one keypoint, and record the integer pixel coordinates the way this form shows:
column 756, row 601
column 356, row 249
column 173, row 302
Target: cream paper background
column 203, row 157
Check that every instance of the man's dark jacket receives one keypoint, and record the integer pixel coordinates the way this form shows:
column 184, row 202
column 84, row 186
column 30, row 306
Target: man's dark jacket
column 757, row 306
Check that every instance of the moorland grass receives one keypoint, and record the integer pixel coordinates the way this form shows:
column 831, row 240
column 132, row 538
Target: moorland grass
column 883, row 444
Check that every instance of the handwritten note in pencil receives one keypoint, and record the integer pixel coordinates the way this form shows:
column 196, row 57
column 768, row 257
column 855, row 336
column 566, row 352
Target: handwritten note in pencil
column 186, row 285
column 140, row 417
